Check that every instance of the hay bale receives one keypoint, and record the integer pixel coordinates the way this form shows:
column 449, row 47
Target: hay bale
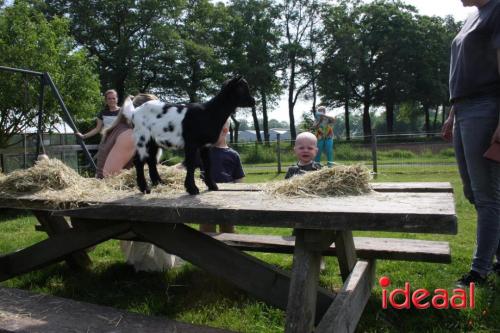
column 339, row 180
column 46, row 174
column 172, row 177
column 54, row 181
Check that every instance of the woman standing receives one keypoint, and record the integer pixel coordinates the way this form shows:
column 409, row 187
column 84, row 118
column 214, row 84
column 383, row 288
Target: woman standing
column 117, row 148
column 323, row 126
column 473, row 124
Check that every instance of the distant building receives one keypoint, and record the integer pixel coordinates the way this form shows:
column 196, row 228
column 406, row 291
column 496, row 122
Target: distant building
column 250, row 135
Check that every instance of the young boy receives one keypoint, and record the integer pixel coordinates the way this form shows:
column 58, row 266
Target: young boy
column 305, row 149
column 226, row 168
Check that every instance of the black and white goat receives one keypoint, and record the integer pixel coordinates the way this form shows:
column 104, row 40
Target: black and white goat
column 194, row 127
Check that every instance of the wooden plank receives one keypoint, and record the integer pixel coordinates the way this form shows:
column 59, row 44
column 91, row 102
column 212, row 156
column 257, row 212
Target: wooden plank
column 301, row 309
column 33, row 202
column 262, row 280
column 366, row 247
column 402, row 212
column 413, row 187
column 54, row 249
column 23, row 311
column 346, row 252
column 345, row 312
column 379, row 187
column 54, row 225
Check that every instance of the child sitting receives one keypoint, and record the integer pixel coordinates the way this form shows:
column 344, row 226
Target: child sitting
column 225, row 168
column 305, row 150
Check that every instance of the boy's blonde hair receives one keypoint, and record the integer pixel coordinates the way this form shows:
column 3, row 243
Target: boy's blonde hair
column 306, row 136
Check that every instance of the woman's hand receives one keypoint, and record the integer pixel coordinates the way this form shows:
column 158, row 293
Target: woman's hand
column 447, row 130
column 496, row 135
column 80, row 135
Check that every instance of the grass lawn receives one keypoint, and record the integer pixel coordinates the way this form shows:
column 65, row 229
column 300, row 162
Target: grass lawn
column 191, row 295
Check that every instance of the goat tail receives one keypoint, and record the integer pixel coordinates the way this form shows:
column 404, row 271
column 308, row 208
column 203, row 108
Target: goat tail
column 127, row 108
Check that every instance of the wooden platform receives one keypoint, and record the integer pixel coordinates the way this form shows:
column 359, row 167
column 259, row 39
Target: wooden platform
column 26, row 312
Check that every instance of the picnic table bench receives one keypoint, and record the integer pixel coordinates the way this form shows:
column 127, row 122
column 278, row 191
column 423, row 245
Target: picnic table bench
column 318, row 222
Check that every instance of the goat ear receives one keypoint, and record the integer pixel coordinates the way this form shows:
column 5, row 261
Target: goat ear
column 235, row 80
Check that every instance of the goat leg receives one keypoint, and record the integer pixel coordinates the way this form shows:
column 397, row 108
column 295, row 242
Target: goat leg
column 190, row 158
column 152, row 163
column 207, row 166
column 141, row 180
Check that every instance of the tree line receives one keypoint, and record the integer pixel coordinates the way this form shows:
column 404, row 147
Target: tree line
column 350, row 54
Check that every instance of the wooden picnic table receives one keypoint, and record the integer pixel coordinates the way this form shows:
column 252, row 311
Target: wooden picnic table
column 318, row 222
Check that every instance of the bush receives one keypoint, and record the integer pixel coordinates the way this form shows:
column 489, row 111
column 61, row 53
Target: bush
column 397, row 153
column 258, row 154
column 347, row 152
column 448, row 152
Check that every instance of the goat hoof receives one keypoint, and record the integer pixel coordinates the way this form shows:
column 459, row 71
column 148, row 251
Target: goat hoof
column 193, row 191
column 213, row 187
column 146, row 191
column 156, row 183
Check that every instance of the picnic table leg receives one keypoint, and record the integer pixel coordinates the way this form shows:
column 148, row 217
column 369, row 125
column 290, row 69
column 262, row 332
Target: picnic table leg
column 301, row 309
column 55, row 248
column 347, row 308
column 262, row 280
column 346, row 252
column 54, row 225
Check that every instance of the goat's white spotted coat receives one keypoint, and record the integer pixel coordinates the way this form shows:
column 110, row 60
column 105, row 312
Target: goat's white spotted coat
column 158, row 121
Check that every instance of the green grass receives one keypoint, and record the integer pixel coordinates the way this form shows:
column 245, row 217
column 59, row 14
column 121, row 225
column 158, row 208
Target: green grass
column 191, row 295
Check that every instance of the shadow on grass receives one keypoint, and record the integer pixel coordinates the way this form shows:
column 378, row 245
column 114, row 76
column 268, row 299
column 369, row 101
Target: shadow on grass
column 118, row 285
column 8, row 214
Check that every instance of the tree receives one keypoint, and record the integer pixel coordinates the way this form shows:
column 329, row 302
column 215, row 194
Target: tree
column 254, row 52
column 200, row 62
column 124, row 36
column 29, row 41
column 338, row 71
column 298, row 19
column 432, row 67
column 396, row 29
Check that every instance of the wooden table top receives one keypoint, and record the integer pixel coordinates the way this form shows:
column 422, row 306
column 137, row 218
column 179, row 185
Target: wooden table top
column 406, row 207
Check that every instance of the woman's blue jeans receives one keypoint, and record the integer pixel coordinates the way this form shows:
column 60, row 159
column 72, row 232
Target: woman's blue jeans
column 327, row 146
column 475, row 122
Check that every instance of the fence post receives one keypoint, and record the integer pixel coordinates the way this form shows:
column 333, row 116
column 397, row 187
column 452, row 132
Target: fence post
column 374, row 152
column 278, row 151
column 40, row 115
column 24, row 151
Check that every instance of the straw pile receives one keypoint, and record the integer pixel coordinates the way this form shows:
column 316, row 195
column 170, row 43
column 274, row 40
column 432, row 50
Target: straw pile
column 340, row 180
column 49, row 174
column 51, row 180
column 55, row 182
column 173, row 180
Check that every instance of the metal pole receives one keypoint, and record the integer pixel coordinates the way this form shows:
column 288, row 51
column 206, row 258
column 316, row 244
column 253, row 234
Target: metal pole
column 17, row 70
column 278, row 151
column 68, row 119
column 374, row 152
column 40, row 115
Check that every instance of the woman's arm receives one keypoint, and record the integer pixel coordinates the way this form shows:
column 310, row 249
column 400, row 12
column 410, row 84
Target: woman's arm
column 93, row 131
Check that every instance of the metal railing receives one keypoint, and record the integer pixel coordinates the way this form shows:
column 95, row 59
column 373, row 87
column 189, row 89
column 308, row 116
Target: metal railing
column 46, row 80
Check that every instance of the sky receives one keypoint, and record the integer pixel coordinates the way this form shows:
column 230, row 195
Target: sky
column 424, row 7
